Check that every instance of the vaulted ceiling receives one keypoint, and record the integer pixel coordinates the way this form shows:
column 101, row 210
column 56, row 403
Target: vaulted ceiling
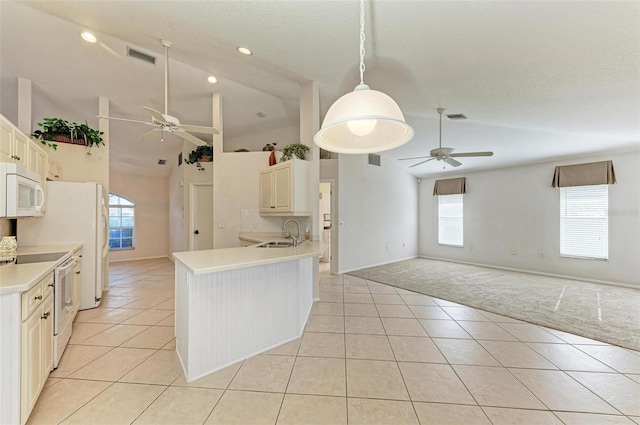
column 537, row 80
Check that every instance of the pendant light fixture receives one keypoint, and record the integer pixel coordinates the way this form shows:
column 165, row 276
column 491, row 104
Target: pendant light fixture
column 365, row 120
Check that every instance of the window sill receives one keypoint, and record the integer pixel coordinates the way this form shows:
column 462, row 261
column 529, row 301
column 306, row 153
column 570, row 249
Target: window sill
column 121, row 249
column 452, row 246
column 576, row 257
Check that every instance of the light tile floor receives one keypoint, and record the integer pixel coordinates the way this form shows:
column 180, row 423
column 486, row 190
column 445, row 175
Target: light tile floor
column 371, row 354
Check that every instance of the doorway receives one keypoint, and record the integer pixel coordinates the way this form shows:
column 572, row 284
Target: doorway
column 201, row 229
column 325, row 222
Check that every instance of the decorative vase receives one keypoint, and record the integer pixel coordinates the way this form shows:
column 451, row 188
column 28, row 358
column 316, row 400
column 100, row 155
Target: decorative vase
column 272, row 158
column 8, row 243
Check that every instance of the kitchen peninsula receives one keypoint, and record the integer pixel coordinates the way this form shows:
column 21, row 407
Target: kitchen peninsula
column 237, row 302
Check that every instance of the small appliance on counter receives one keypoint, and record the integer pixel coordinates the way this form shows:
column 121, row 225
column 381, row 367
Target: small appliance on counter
column 76, row 213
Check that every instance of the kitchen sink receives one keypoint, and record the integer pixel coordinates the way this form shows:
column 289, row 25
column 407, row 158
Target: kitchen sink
column 275, row 244
column 39, row 258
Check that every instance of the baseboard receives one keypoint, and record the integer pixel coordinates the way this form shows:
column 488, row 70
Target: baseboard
column 377, row 264
column 141, row 258
column 513, row 269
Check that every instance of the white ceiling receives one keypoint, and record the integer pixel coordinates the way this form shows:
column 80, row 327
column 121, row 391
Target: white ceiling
column 537, row 80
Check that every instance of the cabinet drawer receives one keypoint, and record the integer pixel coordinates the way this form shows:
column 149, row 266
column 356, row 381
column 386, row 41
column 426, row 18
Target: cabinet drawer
column 31, row 300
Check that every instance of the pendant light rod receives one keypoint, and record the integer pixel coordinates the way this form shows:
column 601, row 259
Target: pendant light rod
column 166, row 44
column 362, row 67
column 440, row 111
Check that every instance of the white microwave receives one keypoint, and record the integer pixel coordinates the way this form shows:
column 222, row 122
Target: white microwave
column 21, row 192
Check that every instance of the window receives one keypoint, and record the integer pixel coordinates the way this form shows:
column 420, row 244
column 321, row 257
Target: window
column 450, row 220
column 122, row 214
column 584, row 221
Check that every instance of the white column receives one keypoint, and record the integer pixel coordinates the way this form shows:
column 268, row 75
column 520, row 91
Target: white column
column 309, row 125
column 25, row 102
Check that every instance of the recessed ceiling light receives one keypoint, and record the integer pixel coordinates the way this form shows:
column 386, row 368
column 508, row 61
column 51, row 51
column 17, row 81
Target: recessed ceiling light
column 212, row 79
column 244, row 51
column 87, row 36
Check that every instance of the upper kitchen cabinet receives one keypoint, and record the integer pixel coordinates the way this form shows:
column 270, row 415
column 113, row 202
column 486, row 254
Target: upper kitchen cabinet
column 13, row 144
column 284, row 189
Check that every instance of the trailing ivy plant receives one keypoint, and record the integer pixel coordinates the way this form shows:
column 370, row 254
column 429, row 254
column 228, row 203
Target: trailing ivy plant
column 199, row 153
column 297, row 149
column 51, row 127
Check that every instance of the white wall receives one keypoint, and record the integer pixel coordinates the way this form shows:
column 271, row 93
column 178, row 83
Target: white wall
column 236, row 197
column 254, row 142
column 516, row 208
column 79, row 167
column 379, row 209
column 176, row 209
column 151, row 196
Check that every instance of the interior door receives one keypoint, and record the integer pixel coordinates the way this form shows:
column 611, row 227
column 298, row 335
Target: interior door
column 202, row 213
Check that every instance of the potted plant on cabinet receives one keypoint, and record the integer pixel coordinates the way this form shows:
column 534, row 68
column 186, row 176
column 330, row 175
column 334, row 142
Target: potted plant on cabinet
column 297, row 149
column 200, row 154
column 62, row 131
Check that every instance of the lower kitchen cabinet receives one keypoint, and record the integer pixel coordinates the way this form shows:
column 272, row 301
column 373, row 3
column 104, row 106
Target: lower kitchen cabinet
column 37, row 344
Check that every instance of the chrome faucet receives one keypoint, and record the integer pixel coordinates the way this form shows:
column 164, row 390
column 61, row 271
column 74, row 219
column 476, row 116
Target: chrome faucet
column 296, row 239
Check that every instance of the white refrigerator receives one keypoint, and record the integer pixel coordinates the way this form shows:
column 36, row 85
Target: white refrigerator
column 76, row 213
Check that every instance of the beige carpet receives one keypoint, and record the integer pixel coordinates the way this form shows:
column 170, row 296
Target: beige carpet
column 601, row 312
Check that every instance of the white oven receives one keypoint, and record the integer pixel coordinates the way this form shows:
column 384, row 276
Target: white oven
column 63, row 307
column 21, row 192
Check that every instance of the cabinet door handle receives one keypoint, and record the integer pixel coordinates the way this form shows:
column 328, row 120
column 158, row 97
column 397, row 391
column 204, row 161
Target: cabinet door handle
column 39, row 297
column 46, row 315
column 51, row 285
column 273, row 206
column 77, row 272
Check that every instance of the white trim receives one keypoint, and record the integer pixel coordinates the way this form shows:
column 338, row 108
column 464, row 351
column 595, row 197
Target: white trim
column 513, row 269
column 141, row 258
column 377, row 264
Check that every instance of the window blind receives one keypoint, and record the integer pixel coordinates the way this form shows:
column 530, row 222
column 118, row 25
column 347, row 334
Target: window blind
column 584, row 221
column 450, row 220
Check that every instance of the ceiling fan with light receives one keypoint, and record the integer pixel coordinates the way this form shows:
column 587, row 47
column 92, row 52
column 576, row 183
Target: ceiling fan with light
column 444, row 154
column 164, row 122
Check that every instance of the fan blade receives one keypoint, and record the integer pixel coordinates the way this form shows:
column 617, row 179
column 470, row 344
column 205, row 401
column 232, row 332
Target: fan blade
column 452, row 162
column 199, row 129
column 188, row 137
column 150, row 133
column 461, row 154
column 156, row 114
column 426, row 160
column 125, row 119
column 415, row 157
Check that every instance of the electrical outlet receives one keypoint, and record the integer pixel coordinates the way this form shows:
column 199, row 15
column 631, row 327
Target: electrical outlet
column 403, row 244
column 386, row 247
column 221, row 225
column 470, row 247
column 512, row 251
column 541, row 254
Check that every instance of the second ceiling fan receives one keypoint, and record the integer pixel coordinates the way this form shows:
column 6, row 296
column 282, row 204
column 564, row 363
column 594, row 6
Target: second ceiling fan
column 165, row 122
column 444, row 154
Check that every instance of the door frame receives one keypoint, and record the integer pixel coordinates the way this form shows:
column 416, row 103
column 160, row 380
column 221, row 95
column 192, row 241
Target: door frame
column 192, row 211
column 333, row 196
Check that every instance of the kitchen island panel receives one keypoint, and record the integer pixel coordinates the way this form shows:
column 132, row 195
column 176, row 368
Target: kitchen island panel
column 230, row 315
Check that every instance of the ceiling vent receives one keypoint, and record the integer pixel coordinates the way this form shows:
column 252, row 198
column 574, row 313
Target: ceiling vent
column 162, row 161
column 457, row 117
column 374, row 159
column 142, row 56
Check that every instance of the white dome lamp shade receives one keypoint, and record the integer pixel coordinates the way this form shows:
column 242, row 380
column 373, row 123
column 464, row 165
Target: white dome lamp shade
column 365, row 120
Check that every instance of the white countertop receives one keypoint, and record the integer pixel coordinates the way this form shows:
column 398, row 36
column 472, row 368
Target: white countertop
column 22, row 277
column 217, row 260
